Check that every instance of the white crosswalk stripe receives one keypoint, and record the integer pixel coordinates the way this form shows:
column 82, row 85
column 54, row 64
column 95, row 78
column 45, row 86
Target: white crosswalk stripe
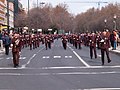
column 19, row 58
column 57, row 57
column 46, row 57
column 68, row 56
column 99, row 55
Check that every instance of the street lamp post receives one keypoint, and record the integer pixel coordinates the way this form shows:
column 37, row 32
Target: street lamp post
column 115, row 25
column 37, row 3
column 8, row 29
column 50, row 31
column 28, row 16
column 42, row 3
column 28, row 6
column 38, row 8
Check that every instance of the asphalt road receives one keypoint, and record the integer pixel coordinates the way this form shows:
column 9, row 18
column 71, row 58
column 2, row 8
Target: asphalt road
column 59, row 69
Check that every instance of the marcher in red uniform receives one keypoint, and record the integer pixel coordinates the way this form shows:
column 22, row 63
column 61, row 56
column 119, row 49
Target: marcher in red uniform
column 105, row 45
column 20, row 37
column 33, row 41
column 38, row 41
column 30, row 42
column 93, row 45
column 64, row 42
column 98, row 40
column 16, row 49
column 46, row 42
column 80, row 41
column 49, row 41
column 76, row 41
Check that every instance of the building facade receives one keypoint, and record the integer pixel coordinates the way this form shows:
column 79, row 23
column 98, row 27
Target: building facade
column 11, row 14
column 2, row 13
column 15, row 7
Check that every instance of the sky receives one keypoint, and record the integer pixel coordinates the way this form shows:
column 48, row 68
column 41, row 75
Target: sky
column 73, row 6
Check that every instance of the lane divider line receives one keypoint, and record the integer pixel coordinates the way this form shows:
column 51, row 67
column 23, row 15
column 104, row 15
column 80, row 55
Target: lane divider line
column 81, row 59
column 87, row 65
column 23, row 66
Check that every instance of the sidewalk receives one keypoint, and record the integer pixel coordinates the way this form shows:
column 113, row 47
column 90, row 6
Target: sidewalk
column 2, row 51
column 117, row 51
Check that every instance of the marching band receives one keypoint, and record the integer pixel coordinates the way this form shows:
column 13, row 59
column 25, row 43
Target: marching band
column 100, row 40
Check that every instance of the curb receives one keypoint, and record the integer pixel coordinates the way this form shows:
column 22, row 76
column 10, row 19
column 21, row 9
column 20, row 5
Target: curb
column 115, row 52
column 2, row 51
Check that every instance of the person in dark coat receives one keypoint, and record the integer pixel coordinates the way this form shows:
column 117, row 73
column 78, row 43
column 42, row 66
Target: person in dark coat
column 7, row 42
column 112, row 40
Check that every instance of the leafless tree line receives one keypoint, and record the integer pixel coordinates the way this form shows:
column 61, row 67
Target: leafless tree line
column 60, row 19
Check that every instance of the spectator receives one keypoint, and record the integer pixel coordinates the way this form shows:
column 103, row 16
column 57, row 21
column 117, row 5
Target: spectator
column 119, row 34
column 112, row 40
column 7, row 42
column 115, row 39
column 118, row 41
column 1, row 41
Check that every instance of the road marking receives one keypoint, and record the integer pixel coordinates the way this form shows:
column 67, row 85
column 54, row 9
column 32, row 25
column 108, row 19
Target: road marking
column 9, row 58
column 83, row 67
column 87, row 65
column 19, row 58
column 71, row 73
column 81, row 59
column 40, row 50
column 7, row 89
column 47, row 68
column 31, row 58
column 68, row 56
column 101, row 89
column 23, row 66
column 46, row 57
column 22, row 57
column 57, row 57
column 70, row 48
column 98, row 55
